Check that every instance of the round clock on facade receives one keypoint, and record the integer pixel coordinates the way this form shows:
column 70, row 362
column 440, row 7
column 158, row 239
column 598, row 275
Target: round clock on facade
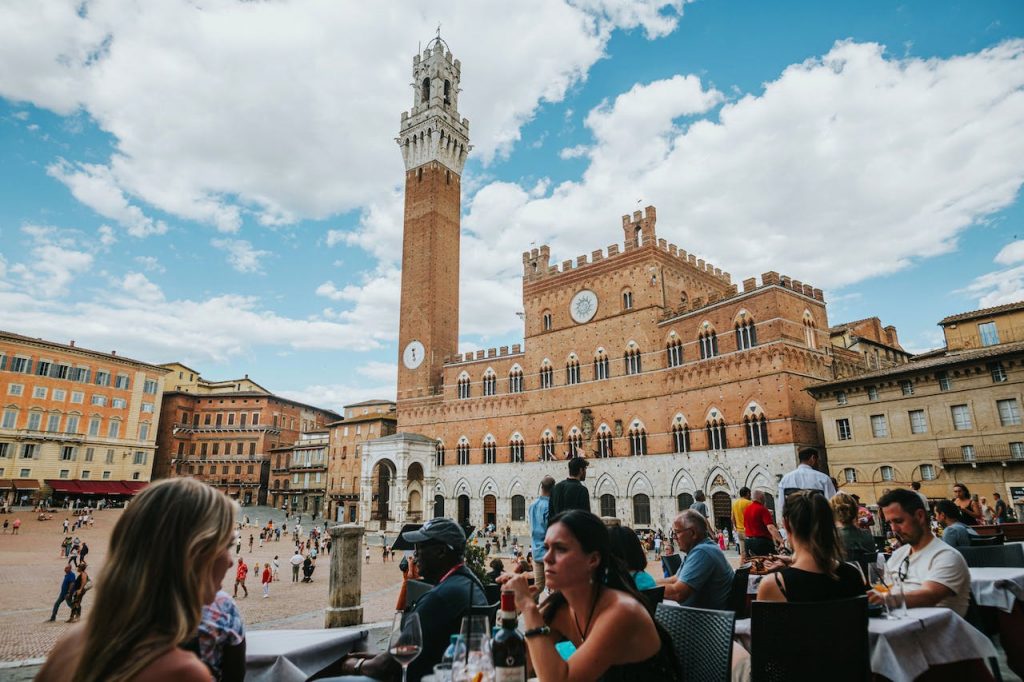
column 583, row 306
column 413, row 355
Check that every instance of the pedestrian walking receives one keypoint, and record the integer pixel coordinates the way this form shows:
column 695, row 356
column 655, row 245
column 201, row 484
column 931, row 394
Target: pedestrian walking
column 238, row 545
column 73, row 556
column 240, row 575
column 267, row 577
column 277, row 566
column 16, row 525
column 367, row 554
column 66, row 591
column 65, row 526
column 296, row 562
column 81, row 585
column 250, row 543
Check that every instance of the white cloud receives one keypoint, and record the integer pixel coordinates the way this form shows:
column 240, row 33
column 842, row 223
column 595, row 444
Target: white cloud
column 241, row 254
column 1011, row 253
column 150, row 264
column 577, row 152
column 998, row 287
column 374, row 302
column 336, row 396
column 176, row 84
column 379, row 371
column 96, row 187
column 54, row 260
column 335, row 237
column 845, row 167
column 106, row 236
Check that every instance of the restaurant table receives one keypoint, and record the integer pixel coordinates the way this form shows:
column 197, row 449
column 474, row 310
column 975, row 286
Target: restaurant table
column 1000, row 592
column 296, row 655
column 997, row 586
column 902, row 650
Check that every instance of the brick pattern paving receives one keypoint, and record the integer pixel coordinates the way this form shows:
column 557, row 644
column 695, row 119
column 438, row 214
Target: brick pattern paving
column 31, row 569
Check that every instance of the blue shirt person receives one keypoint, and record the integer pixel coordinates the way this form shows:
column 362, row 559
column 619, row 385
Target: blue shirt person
column 539, row 516
column 65, row 588
column 705, row 578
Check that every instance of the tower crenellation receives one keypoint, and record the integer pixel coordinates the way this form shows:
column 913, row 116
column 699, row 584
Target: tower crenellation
column 433, row 130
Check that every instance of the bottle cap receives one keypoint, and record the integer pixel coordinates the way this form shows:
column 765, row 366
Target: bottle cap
column 508, row 601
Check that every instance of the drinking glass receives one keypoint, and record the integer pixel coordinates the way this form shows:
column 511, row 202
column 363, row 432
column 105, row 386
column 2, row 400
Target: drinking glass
column 899, row 595
column 879, row 579
column 406, row 640
column 476, row 634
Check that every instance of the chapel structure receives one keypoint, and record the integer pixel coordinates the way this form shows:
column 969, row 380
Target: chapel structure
column 645, row 359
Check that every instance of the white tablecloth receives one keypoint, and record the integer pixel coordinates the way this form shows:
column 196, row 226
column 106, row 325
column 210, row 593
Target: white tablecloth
column 295, row 655
column 903, row 649
column 998, row 587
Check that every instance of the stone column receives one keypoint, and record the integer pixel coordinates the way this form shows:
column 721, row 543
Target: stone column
column 346, row 586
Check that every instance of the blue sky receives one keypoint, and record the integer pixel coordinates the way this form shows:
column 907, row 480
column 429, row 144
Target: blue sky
column 220, row 186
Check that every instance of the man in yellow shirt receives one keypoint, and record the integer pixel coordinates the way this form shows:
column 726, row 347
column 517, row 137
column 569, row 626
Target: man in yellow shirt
column 738, row 507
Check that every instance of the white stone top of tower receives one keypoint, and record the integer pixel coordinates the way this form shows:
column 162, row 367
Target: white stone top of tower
column 433, row 130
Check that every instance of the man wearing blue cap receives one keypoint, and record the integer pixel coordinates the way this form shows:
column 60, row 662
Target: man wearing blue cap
column 440, row 554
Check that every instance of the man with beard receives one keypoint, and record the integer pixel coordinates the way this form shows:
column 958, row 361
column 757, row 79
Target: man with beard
column 933, row 573
column 440, row 551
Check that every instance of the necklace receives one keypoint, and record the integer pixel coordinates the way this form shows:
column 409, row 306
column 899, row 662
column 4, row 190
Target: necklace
column 590, row 618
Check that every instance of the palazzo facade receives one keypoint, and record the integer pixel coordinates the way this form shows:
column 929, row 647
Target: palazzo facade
column 639, row 356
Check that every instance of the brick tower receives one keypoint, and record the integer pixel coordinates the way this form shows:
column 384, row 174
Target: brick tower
column 434, row 141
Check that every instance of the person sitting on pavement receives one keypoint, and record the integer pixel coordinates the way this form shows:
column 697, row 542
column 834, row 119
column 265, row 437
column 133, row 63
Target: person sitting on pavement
column 816, row 571
column 150, row 596
column 705, row 578
column 955, row 533
column 759, row 527
column 933, row 573
column 440, row 552
column 853, row 540
column 626, row 546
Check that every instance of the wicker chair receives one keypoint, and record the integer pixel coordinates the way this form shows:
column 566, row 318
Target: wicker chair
column 1006, row 556
column 702, row 640
column 738, row 592
column 801, row 641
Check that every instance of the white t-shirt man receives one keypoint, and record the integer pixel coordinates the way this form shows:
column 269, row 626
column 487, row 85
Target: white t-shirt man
column 939, row 563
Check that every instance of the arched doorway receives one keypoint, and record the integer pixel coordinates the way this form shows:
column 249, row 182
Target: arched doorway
column 381, row 476
column 463, row 510
column 721, row 510
column 684, row 501
column 490, row 510
column 415, row 509
column 438, row 506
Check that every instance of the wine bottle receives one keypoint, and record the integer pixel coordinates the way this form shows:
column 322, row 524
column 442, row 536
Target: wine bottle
column 508, row 647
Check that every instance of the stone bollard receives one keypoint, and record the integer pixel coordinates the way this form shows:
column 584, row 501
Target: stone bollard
column 345, row 591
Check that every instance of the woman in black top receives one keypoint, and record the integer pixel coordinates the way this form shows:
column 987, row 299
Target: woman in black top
column 816, row 571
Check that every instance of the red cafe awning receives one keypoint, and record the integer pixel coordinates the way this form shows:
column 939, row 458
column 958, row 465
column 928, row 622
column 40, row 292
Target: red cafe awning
column 25, row 484
column 6, row 484
column 134, row 487
column 94, row 487
column 60, row 485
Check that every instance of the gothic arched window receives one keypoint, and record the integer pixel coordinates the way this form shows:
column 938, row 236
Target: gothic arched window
column 637, row 441
column 464, row 385
column 517, row 450
column 716, row 434
column 547, row 448
column 708, row 340
column 575, row 444
column 632, row 360
column 680, row 438
column 601, row 368
column 490, row 452
column 746, row 334
column 547, row 376
column 490, row 383
column 462, row 451
column 756, row 427
column 515, row 380
column 439, row 454
column 674, row 350
column 605, row 448
column 425, row 91
column 572, row 372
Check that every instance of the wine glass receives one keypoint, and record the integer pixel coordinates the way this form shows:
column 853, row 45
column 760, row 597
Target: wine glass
column 475, row 633
column 406, row 640
column 880, row 579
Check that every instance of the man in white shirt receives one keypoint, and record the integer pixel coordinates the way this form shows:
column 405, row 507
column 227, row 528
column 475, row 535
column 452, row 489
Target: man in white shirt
column 296, row 562
column 805, row 477
column 933, row 573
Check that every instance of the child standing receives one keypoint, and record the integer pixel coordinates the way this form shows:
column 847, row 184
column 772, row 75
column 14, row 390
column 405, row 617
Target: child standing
column 267, row 576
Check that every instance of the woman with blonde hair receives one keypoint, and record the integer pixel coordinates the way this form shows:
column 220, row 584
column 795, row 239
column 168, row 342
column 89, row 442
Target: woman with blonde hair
column 168, row 555
column 852, row 539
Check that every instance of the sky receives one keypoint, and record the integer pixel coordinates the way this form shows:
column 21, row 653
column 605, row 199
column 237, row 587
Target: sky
column 217, row 183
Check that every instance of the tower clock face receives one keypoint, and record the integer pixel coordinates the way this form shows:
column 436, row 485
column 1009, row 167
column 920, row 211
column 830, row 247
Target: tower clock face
column 412, row 356
column 583, row 306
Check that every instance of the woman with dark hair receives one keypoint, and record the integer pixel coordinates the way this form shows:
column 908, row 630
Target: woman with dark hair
column 700, row 504
column 595, row 606
column 816, row 571
column 970, row 509
column 626, row 546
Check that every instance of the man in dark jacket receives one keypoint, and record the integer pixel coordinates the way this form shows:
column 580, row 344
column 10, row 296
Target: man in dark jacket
column 440, row 554
column 570, row 493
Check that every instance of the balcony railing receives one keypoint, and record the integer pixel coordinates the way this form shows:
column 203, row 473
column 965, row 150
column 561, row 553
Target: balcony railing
column 981, row 454
column 224, row 428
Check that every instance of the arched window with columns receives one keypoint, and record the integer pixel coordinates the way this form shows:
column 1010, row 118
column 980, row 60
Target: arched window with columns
column 756, row 427
column 462, row 451
column 708, row 342
column 746, row 331
column 547, row 447
column 439, row 454
column 637, row 440
column 464, row 385
column 605, row 448
column 674, row 351
column 715, row 428
column 515, row 380
column 632, row 360
column 572, row 370
column 517, row 449
column 490, row 450
column 490, row 382
column 601, row 365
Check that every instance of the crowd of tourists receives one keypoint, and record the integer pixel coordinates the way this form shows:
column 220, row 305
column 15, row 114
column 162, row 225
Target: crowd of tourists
column 580, row 585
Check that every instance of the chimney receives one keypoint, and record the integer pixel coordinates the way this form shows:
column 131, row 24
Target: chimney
column 113, row 352
column 72, row 343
